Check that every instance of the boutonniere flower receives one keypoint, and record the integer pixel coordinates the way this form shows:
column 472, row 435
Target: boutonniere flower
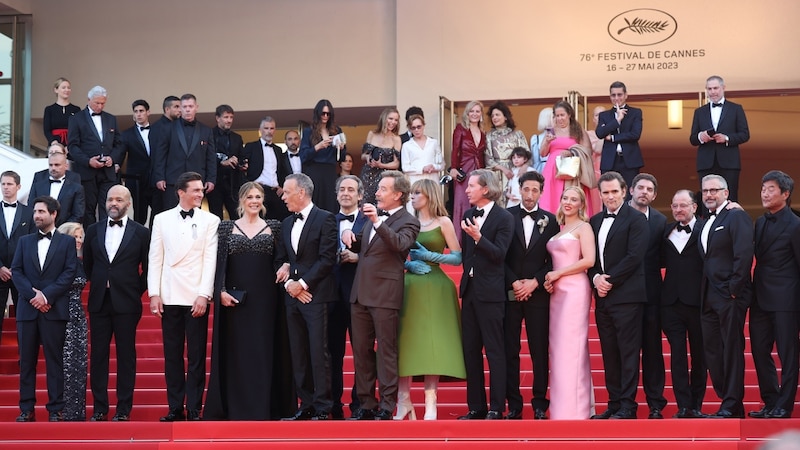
column 542, row 223
column 110, row 130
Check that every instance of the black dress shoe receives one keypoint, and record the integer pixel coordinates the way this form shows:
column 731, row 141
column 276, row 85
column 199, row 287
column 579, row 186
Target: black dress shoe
column 301, row 414
column 193, row 415
column 655, row 413
column 98, row 417
column 726, row 414
column 624, row 413
column 26, row 416
column 473, row 415
column 494, row 415
column 779, row 413
column 56, row 417
column 363, row 414
column 337, row 413
column 173, row 415
column 761, row 413
column 383, row 414
column 539, row 414
column 514, row 414
column 120, row 417
column 604, row 415
column 686, row 413
column 320, row 416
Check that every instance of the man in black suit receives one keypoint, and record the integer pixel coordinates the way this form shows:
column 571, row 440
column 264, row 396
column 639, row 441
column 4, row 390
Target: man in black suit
column 267, row 166
column 620, row 293
column 138, row 141
column 161, row 128
column 115, row 260
column 620, row 128
column 305, row 256
column 228, row 145
column 41, row 175
column 188, row 146
column 726, row 244
column 643, row 192
column 414, row 110
column 16, row 220
column 96, row 147
column 43, row 270
column 774, row 313
column 292, row 141
column 680, row 305
column 349, row 193
column 718, row 128
column 70, row 195
column 487, row 231
column 526, row 264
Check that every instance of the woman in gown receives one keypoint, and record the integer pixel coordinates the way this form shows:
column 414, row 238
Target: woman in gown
column 566, row 133
column 469, row 144
column 572, row 252
column 429, row 337
column 320, row 153
column 501, row 141
column 381, row 152
column 242, row 345
column 76, row 343
column 56, row 116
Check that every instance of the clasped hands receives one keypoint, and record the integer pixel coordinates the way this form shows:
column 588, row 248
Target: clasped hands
column 38, row 301
column 602, row 285
column 523, row 289
column 293, row 287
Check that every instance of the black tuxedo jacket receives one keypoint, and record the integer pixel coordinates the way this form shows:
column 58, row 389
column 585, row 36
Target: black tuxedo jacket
column 45, row 175
column 729, row 258
column 626, row 134
column 776, row 277
column 624, row 252
column 71, row 198
column 534, row 260
column 652, row 257
column 486, row 258
column 126, row 275
column 139, row 161
column 733, row 123
column 254, row 152
column 54, row 278
column 316, row 254
column 345, row 273
column 230, row 144
column 84, row 143
column 23, row 224
column 175, row 156
column 683, row 270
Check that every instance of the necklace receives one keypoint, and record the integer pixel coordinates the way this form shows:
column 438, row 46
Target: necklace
column 426, row 224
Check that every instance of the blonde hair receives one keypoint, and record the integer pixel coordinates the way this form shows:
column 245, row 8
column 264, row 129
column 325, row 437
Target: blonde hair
column 581, row 212
column 60, row 80
column 465, row 114
column 69, row 228
column 247, row 187
column 433, row 192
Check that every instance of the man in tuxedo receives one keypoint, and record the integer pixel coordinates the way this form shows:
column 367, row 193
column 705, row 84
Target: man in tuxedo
column 680, row 305
column 718, row 128
column 487, row 232
column 180, row 282
column 115, row 261
column 96, row 148
column 44, row 266
column 161, row 128
column 774, row 313
column 292, row 141
column 414, row 110
column 228, row 145
column 187, row 146
column 643, row 192
column 726, row 244
column 377, row 295
column 620, row 128
column 138, row 141
column 55, row 147
column 620, row 294
column 267, row 166
column 526, row 264
column 16, row 220
column 305, row 256
column 349, row 193
column 70, row 194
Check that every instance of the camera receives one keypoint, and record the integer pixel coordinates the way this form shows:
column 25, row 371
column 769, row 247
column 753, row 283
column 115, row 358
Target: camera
column 222, row 157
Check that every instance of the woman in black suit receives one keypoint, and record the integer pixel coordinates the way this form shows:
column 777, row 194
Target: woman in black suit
column 322, row 147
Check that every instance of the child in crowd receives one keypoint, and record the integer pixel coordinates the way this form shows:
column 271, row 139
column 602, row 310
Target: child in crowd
column 520, row 158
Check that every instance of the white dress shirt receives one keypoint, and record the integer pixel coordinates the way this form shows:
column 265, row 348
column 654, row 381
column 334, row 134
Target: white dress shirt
column 145, row 134
column 680, row 238
column 55, row 188
column 8, row 215
column 114, row 237
column 602, row 235
column 98, row 124
column 709, row 224
column 269, row 174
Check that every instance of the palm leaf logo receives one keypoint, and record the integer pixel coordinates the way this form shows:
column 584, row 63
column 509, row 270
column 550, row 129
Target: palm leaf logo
column 642, row 26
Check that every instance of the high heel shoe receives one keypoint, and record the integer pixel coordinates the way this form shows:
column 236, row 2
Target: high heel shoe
column 404, row 405
column 405, row 409
column 431, row 385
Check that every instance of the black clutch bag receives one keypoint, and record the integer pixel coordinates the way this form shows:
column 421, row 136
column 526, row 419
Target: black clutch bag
column 239, row 295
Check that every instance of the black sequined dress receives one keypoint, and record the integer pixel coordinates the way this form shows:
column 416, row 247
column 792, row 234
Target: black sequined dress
column 76, row 354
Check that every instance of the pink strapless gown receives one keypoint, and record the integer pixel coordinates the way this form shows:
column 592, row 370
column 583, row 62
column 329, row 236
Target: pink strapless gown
column 551, row 196
column 570, row 373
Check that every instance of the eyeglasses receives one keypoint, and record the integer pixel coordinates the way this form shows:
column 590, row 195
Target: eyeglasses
column 324, row 113
column 712, row 191
column 681, row 205
column 415, row 128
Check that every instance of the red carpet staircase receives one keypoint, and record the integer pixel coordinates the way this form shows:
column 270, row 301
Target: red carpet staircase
column 150, row 403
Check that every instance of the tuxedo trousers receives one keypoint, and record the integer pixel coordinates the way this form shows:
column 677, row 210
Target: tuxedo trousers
column 536, row 314
column 338, row 325
column 50, row 334
column 779, row 329
column 482, row 328
column 311, row 360
column 681, row 322
column 653, row 372
column 95, row 191
column 178, row 327
column 723, row 335
column 620, row 329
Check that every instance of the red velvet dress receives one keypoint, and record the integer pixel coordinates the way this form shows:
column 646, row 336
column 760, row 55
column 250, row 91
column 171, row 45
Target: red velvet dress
column 466, row 156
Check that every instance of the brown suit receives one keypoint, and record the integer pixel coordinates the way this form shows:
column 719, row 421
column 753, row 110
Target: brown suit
column 376, row 299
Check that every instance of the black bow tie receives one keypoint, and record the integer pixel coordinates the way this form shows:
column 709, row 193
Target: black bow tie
column 144, row 128
column 531, row 214
column 9, row 205
column 298, row 216
column 293, row 155
column 771, row 217
column 349, row 217
column 48, row 235
column 55, row 181
column 609, row 215
column 712, row 214
column 118, row 223
column 189, row 213
column 383, row 212
column 716, row 105
column 478, row 213
column 96, row 114
column 189, row 124
column 685, row 228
